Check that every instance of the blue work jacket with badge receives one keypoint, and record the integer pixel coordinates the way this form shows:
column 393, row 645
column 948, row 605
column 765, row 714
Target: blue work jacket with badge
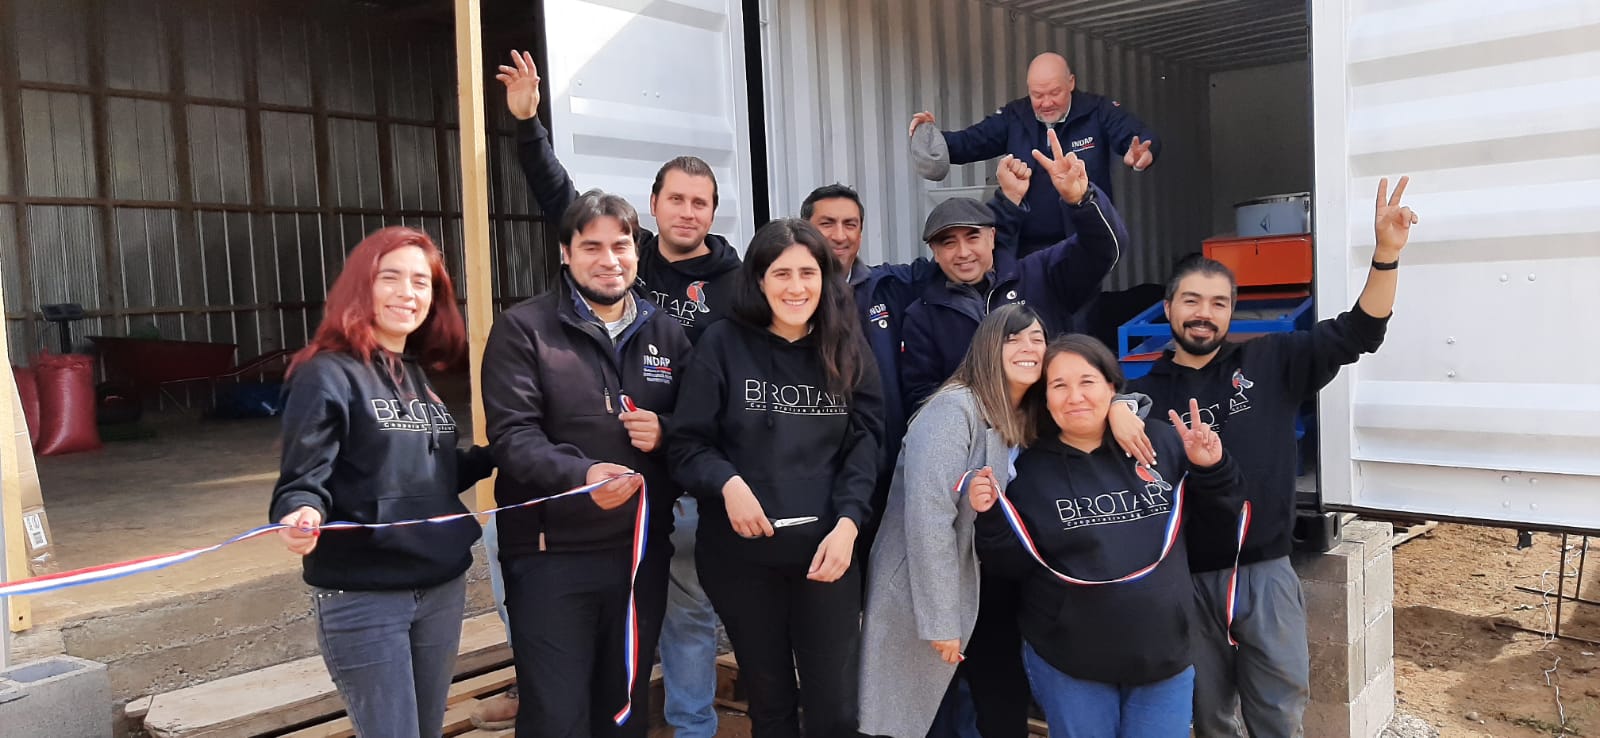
column 1054, row 282
column 1096, row 129
column 553, row 379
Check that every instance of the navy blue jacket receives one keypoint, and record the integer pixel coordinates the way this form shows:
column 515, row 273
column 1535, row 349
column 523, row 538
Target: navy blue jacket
column 882, row 294
column 1097, row 129
column 1055, row 282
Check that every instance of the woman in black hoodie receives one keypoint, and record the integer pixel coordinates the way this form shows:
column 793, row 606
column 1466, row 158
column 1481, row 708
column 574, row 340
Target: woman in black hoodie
column 1106, row 592
column 366, row 440
column 776, row 431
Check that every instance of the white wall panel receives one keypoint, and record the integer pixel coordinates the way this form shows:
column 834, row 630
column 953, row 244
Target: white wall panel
column 1484, row 402
column 843, row 79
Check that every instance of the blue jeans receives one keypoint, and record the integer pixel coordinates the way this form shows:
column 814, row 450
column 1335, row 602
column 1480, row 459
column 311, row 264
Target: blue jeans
column 1078, row 708
column 391, row 654
column 688, row 637
column 497, row 577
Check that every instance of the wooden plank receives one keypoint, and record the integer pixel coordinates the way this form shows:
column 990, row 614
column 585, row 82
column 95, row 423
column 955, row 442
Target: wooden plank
column 17, row 610
column 479, row 289
column 466, row 689
column 295, row 693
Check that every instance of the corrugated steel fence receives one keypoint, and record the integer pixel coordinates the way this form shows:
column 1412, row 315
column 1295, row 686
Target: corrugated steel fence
column 197, row 170
column 844, row 78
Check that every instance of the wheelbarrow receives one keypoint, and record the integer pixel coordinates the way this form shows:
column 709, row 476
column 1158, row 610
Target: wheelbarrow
column 152, row 367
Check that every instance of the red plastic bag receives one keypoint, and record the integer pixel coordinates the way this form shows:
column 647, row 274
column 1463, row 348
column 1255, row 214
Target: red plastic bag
column 28, row 392
column 66, row 404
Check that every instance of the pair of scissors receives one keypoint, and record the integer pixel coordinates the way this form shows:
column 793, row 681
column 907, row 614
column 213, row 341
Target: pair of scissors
column 786, row 522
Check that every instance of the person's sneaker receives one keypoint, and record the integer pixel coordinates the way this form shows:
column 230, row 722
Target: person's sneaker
column 498, row 712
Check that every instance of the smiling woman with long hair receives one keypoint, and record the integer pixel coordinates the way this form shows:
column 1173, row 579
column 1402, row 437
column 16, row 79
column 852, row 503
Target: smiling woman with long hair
column 366, row 440
column 1107, row 653
column 776, row 431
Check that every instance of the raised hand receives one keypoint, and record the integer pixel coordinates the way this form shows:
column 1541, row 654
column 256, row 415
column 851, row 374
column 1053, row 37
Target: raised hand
column 1066, row 171
column 1138, row 156
column 1014, row 176
column 522, row 85
column 917, row 120
column 1200, row 443
column 1391, row 222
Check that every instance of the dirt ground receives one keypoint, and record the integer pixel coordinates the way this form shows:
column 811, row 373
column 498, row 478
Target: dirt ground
column 1457, row 665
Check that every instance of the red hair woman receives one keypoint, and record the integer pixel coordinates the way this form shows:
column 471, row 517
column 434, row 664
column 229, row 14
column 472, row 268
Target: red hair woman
column 366, row 440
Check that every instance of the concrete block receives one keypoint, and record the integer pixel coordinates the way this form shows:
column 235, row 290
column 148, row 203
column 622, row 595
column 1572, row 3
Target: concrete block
column 1378, row 586
column 1333, row 611
column 1344, row 563
column 1377, row 704
column 1375, row 538
column 1332, row 720
column 62, row 697
column 1379, row 646
column 1338, row 672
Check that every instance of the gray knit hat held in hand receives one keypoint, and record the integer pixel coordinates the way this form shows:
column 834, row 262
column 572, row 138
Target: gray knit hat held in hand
column 929, row 154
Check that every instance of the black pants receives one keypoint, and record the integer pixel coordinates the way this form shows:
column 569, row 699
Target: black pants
column 568, row 616
column 780, row 622
column 993, row 667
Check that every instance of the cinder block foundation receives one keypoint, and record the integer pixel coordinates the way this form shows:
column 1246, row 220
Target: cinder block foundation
column 61, row 696
column 1349, row 593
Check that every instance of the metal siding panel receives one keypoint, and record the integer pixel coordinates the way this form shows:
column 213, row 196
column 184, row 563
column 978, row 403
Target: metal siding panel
column 212, row 66
column 16, row 299
column 1488, row 413
column 291, row 162
column 218, row 157
column 58, row 134
column 5, row 159
column 133, row 53
column 348, row 79
column 141, row 149
column 416, row 167
column 353, row 155
column 408, row 76
column 65, row 254
column 52, row 41
column 283, row 66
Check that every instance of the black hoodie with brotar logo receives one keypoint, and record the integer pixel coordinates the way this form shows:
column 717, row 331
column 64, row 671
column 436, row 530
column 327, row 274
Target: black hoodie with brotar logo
column 697, row 291
column 1098, row 516
column 755, row 405
column 365, row 444
column 1250, row 393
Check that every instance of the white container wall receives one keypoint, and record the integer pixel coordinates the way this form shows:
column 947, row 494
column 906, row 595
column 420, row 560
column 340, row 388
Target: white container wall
column 843, row 79
column 1484, row 402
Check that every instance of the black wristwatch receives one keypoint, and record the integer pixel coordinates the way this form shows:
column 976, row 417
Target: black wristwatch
column 1384, row 266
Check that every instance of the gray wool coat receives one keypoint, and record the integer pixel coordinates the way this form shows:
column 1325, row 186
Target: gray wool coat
column 923, row 575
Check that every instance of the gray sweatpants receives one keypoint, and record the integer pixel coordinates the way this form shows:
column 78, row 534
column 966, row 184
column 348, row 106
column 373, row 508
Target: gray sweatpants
column 1267, row 678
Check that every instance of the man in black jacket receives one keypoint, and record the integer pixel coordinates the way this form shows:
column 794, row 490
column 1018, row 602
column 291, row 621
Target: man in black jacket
column 1249, row 393
column 689, row 272
column 555, row 374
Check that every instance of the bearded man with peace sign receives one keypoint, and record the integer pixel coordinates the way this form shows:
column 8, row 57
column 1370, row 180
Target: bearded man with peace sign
column 1250, row 393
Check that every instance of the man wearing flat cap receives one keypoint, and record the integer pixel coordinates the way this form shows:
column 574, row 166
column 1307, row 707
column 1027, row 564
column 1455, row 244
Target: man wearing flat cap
column 1054, row 281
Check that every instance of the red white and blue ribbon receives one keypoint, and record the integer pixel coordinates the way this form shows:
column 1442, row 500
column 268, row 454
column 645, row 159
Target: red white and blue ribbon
column 109, row 572
column 1169, row 541
column 1233, row 577
column 1169, row 538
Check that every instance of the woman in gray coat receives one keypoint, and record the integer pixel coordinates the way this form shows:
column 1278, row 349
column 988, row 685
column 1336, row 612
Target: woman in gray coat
column 922, row 589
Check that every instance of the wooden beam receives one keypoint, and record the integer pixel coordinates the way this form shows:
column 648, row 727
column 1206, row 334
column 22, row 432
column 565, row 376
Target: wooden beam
column 17, row 611
column 478, row 273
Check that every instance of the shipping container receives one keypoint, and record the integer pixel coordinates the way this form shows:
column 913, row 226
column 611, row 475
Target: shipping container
column 1483, row 404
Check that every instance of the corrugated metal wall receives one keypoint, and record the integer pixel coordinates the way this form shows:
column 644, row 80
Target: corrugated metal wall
column 844, row 78
column 197, row 170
